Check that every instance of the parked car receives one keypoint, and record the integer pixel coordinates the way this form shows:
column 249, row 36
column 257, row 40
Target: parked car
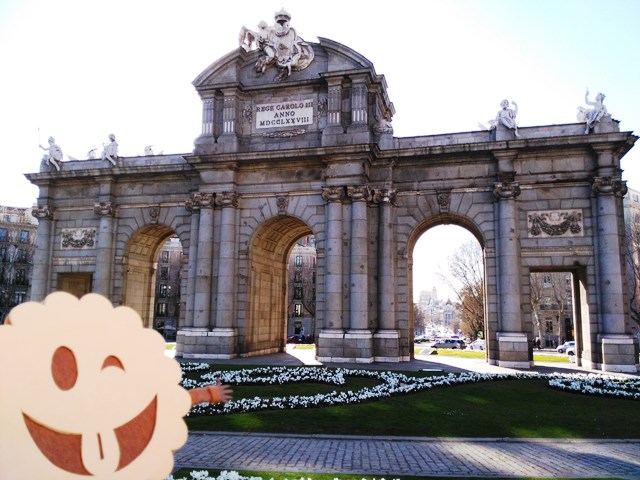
column 563, row 348
column 478, row 345
column 306, row 339
column 450, row 343
column 571, row 351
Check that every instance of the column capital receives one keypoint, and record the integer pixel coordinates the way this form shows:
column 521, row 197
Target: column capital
column 203, row 199
column 42, row 212
column 105, row 209
column 609, row 186
column 506, row 190
column 333, row 194
column 358, row 193
column 227, row 199
column 384, row 196
column 506, row 187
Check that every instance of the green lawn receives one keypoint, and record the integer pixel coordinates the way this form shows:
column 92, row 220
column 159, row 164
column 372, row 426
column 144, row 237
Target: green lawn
column 537, row 357
column 508, row 408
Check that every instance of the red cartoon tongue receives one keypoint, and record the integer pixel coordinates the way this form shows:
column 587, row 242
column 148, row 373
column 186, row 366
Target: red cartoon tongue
column 100, row 452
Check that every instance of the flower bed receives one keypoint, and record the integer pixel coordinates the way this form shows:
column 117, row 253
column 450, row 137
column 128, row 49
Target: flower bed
column 391, row 384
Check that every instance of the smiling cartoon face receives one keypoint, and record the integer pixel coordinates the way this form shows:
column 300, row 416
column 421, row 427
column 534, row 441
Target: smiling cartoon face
column 87, row 392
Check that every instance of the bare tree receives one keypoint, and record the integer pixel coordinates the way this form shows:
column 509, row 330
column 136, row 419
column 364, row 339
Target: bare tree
column 537, row 286
column 418, row 318
column 466, row 278
column 16, row 257
column 550, row 293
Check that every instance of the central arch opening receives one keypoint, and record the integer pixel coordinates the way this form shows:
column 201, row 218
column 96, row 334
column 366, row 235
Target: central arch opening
column 271, row 245
column 448, row 288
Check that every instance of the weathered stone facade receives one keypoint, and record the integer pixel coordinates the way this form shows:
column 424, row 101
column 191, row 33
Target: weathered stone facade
column 313, row 153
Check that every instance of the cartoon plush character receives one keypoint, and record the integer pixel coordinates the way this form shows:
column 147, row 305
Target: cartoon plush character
column 87, row 393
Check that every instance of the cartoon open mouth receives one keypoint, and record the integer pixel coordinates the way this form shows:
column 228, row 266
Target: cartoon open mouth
column 65, row 450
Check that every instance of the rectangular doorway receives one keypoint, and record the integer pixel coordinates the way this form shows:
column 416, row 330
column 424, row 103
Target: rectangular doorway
column 78, row 284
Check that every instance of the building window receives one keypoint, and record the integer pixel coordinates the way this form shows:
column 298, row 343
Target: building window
column 165, row 256
column 164, row 273
column 21, row 276
column 164, row 291
column 549, row 326
column 24, row 236
column 162, row 309
column 3, row 234
column 297, row 276
column 297, row 309
column 298, row 260
column 19, row 297
column 297, row 293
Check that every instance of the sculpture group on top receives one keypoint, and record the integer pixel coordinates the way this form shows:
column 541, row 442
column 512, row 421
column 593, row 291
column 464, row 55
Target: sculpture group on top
column 280, row 45
column 507, row 116
column 593, row 115
column 53, row 155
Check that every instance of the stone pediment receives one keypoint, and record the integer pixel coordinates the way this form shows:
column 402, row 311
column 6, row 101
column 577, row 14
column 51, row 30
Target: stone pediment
column 250, row 101
column 238, row 67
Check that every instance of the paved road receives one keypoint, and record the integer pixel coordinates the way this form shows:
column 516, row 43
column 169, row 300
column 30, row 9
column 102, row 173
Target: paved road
column 395, row 456
column 389, row 456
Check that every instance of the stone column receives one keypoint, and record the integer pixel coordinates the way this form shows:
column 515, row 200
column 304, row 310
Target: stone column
column 386, row 287
column 330, row 341
column 387, row 337
column 194, row 208
column 616, row 343
column 333, row 319
column 40, row 276
column 104, row 248
column 225, row 300
column 202, row 294
column 334, row 126
column 359, row 103
column 358, row 259
column 359, row 127
column 206, row 142
column 359, row 339
column 513, row 344
column 228, row 138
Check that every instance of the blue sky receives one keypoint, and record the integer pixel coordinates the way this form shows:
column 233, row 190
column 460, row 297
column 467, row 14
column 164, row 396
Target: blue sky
column 81, row 69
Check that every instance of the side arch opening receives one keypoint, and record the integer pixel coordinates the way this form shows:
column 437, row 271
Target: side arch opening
column 140, row 270
column 266, row 327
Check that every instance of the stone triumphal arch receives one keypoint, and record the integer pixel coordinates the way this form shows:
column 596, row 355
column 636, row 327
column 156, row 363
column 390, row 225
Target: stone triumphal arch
column 297, row 140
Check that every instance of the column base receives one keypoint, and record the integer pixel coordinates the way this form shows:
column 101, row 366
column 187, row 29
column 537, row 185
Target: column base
column 618, row 354
column 386, row 345
column 220, row 343
column 338, row 346
column 513, row 350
